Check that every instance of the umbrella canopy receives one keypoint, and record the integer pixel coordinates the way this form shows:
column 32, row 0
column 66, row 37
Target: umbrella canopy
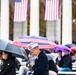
column 43, row 42
column 62, row 48
column 8, row 47
column 70, row 45
column 49, row 56
column 73, row 49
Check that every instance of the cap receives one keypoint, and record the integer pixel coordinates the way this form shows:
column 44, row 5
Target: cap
column 32, row 45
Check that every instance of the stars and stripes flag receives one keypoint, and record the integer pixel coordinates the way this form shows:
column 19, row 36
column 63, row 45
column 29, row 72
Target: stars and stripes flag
column 20, row 10
column 52, row 10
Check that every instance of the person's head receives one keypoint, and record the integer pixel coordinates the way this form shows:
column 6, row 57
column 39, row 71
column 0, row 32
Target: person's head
column 5, row 55
column 59, row 52
column 56, row 42
column 34, row 48
column 66, row 52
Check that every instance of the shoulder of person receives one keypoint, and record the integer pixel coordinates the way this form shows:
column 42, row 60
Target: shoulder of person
column 42, row 54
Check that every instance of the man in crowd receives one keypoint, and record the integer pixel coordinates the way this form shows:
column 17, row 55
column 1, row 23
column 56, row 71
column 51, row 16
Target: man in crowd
column 41, row 65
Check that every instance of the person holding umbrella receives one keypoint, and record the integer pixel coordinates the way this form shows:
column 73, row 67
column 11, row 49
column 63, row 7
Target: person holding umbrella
column 59, row 58
column 41, row 64
column 66, row 61
column 8, row 67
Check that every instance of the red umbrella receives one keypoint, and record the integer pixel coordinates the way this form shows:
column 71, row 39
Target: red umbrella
column 73, row 49
column 43, row 42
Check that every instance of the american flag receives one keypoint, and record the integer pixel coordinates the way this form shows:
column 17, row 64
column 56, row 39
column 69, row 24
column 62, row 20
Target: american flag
column 52, row 10
column 20, row 11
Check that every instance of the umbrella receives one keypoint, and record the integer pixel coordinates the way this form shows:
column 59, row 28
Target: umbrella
column 43, row 42
column 73, row 49
column 62, row 48
column 49, row 56
column 70, row 45
column 8, row 47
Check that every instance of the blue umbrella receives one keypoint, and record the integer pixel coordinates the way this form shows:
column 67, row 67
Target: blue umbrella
column 8, row 47
column 62, row 48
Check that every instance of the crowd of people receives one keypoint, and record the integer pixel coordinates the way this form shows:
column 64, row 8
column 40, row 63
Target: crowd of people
column 38, row 62
column 63, row 62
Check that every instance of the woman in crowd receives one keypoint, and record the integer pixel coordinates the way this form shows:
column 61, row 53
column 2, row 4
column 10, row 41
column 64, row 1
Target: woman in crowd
column 8, row 67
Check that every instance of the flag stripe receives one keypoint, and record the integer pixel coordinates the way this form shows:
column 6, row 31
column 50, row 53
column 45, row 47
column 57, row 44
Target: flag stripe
column 20, row 12
column 52, row 10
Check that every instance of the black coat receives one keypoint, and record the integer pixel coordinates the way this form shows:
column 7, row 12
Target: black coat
column 59, row 63
column 41, row 65
column 52, row 66
column 66, row 61
column 8, row 67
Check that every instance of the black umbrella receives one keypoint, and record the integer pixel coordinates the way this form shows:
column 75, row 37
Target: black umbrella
column 8, row 47
column 49, row 56
column 70, row 45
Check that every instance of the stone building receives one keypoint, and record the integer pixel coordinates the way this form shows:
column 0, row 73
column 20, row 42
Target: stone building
column 60, row 30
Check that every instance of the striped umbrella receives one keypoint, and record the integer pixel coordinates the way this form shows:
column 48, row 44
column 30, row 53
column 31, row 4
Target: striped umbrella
column 43, row 42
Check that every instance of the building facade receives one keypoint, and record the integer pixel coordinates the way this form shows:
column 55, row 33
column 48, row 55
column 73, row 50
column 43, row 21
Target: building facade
column 60, row 30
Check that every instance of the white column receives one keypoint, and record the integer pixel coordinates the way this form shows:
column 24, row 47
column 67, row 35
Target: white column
column 17, row 30
column 4, row 20
column 0, row 24
column 67, row 22
column 0, row 17
column 51, row 30
column 34, row 17
column 20, row 29
column 24, row 28
column 58, row 31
